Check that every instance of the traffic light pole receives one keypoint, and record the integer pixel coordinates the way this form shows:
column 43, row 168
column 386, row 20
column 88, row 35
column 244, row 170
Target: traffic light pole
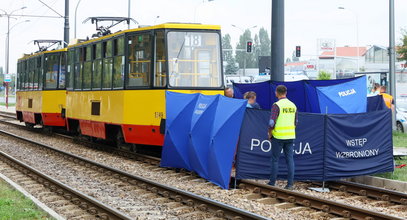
column 277, row 40
column 6, row 95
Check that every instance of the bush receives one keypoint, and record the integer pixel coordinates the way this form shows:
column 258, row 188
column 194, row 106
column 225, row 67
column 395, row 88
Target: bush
column 322, row 75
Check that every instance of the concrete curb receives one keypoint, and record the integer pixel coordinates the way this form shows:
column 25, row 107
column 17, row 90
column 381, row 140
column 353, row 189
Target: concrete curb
column 38, row 203
column 381, row 182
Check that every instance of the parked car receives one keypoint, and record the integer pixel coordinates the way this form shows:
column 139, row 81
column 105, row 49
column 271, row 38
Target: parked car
column 401, row 116
column 237, row 79
column 295, row 76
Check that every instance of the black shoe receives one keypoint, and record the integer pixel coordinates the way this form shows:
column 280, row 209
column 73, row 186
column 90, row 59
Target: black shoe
column 289, row 187
column 270, row 184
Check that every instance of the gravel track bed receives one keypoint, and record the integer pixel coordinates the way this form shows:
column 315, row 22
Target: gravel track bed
column 235, row 198
column 199, row 186
column 134, row 201
column 54, row 201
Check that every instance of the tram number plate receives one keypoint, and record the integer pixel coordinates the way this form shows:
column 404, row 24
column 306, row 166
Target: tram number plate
column 193, row 40
column 158, row 114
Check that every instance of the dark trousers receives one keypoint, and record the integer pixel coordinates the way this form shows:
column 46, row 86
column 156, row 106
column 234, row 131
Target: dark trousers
column 288, row 148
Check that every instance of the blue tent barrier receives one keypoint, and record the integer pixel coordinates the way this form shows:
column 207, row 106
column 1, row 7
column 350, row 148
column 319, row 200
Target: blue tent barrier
column 328, row 147
column 202, row 133
column 314, row 96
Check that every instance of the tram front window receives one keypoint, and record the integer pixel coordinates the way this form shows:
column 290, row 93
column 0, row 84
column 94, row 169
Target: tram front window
column 194, row 59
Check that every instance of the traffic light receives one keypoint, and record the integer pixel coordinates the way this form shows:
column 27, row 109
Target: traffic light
column 249, row 45
column 298, row 51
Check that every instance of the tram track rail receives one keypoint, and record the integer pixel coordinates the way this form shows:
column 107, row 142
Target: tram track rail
column 368, row 191
column 304, row 200
column 92, row 206
column 8, row 115
column 91, row 144
column 198, row 202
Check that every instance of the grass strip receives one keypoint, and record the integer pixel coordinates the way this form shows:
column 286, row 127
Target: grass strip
column 14, row 205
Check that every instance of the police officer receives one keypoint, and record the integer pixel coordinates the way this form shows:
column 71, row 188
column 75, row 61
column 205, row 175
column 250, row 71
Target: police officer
column 282, row 133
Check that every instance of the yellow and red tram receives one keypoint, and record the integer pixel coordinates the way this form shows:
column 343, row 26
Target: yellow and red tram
column 116, row 84
column 41, row 94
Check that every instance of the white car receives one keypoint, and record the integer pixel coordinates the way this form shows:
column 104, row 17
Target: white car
column 295, row 76
column 288, row 77
column 401, row 116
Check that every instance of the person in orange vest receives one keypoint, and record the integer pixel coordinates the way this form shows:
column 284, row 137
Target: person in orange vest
column 388, row 99
column 282, row 125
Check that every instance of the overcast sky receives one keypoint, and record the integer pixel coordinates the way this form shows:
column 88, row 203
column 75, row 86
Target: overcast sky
column 306, row 20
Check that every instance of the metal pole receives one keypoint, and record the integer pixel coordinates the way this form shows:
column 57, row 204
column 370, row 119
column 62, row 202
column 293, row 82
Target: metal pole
column 244, row 65
column 277, row 41
column 357, row 42
column 8, row 43
column 66, row 24
column 7, row 55
column 334, row 74
column 392, row 65
column 128, row 12
column 76, row 9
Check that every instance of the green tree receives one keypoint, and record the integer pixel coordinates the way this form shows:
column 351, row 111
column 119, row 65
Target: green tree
column 402, row 49
column 242, row 56
column 231, row 67
column 256, row 50
column 227, row 47
column 323, row 75
column 265, row 43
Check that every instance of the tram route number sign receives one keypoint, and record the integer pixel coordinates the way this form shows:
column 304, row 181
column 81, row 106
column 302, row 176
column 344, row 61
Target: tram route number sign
column 193, row 40
column 7, row 78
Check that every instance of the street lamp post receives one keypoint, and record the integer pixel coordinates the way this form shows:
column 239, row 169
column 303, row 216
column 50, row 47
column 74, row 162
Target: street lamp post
column 76, row 10
column 8, row 15
column 244, row 60
column 357, row 36
column 392, row 59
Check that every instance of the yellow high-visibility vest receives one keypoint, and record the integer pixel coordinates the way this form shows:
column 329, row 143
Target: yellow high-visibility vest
column 285, row 123
column 388, row 99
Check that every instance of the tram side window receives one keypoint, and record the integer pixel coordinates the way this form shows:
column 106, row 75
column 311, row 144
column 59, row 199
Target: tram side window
column 97, row 63
column 35, row 73
column 40, row 72
column 140, row 48
column 107, row 65
column 25, row 75
column 118, row 65
column 18, row 76
column 62, row 72
column 160, row 79
column 70, row 69
column 78, row 70
column 87, row 67
column 30, row 74
column 22, row 75
column 51, row 71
